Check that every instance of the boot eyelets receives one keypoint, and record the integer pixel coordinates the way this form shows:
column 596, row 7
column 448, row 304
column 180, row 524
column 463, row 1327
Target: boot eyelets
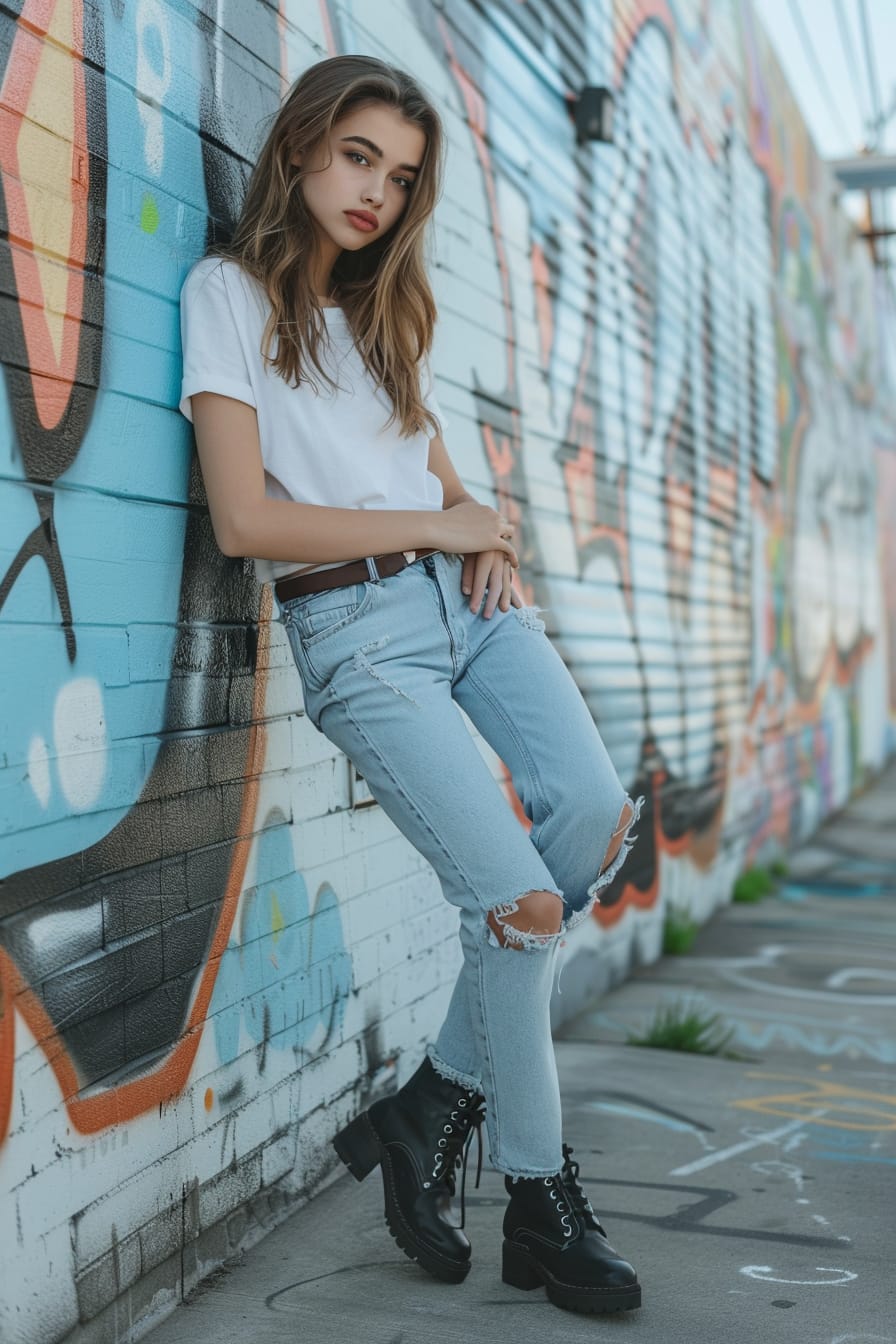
column 446, row 1129
column 443, row 1143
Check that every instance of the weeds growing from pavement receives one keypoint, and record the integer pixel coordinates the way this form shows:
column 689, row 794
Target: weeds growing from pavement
column 681, row 1026
column 679, row 930
column 753, row 885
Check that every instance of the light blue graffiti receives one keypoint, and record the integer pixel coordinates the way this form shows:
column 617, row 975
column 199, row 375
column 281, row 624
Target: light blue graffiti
column 83, row 737
column 288, row 976
column 852, row 1157
column 757, row 1037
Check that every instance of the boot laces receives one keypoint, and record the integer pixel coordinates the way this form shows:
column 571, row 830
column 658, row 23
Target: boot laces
column 569, row 1176
column 565, row 1208
column 454, row 1145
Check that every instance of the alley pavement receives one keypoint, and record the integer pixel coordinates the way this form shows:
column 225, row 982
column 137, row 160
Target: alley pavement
column 756, row 1195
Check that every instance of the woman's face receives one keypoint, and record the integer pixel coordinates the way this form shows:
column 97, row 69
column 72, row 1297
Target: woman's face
column 373, row 153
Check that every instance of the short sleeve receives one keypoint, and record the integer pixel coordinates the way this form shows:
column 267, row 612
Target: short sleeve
column 213, row 356
column 430, row 399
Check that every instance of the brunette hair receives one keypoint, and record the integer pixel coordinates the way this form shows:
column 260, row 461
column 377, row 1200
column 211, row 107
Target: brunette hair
column 383, row 288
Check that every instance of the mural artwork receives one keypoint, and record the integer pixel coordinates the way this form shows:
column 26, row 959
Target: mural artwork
column 652, row 353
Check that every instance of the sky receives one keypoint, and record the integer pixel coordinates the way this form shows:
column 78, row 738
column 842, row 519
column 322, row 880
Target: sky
column 834, row 92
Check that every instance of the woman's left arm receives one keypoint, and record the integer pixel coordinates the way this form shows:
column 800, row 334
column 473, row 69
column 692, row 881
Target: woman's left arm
column 440, row 465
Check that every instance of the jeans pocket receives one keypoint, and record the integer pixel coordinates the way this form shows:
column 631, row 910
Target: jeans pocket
column 316, row 616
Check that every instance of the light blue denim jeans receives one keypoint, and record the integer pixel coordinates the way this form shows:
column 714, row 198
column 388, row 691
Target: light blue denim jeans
column 382, row 664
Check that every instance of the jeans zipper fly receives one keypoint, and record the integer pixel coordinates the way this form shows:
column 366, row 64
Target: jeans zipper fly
column 430, row 566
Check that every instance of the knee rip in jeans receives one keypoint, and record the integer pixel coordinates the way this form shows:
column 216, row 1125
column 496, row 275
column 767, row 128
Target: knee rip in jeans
column 617, row 850
column 536, row 926
column 363, row 664
column 541, row 923
column 615, row 854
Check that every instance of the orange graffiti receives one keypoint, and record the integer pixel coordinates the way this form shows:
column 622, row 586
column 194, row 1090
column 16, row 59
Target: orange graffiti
column 43, row 135
column 841, row 1106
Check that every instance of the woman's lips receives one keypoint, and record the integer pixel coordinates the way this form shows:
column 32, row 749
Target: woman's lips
column 361, row 221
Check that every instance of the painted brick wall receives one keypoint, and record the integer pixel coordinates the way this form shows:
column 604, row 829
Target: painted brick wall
column 664, row 356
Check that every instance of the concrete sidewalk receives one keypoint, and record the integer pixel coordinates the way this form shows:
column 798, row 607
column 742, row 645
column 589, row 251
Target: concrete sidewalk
column 755, row 1196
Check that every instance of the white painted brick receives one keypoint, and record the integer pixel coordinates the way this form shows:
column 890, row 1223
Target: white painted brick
column 308, row 746
column 277, row 747
column 39, row 1302
column 318, row 789
column 224, row 1192
column 278, row 1158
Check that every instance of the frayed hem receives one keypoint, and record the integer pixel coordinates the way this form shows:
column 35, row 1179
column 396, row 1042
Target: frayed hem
column 527, row 1175
column 452, row 1075
column 606, row 877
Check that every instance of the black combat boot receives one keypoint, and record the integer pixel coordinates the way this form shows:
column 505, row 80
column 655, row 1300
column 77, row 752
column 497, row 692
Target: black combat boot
column 552, row 1237
column 418, row 1137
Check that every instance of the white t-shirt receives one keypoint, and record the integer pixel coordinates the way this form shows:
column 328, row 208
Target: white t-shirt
column 318, row 447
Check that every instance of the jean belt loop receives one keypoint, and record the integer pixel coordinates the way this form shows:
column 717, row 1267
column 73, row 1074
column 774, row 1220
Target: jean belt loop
column 372, row 569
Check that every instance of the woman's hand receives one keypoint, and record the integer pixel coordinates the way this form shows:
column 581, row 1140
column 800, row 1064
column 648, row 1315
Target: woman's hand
column 490, row 570
column 471, row 527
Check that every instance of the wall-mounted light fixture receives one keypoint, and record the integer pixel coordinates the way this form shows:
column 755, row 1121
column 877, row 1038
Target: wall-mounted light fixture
column 592, row 111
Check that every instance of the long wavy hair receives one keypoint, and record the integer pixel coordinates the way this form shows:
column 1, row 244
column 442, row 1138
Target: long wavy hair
column 383, row 288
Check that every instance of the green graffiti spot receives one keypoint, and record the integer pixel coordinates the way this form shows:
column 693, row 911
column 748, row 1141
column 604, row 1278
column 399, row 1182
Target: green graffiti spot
column 149, row 214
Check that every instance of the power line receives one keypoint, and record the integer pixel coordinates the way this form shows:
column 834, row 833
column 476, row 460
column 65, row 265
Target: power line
column 811, row 57
column 879, row 120
column 872, row 72
column 852, row 62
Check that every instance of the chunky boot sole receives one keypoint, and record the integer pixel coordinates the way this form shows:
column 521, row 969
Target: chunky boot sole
column 360, row 1148
column 522, row 1270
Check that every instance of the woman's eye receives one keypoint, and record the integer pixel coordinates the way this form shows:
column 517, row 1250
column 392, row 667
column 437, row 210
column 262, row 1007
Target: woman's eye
column 355, row 154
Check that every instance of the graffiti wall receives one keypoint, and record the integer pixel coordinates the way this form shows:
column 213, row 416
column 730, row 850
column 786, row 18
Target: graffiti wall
column 666, row 357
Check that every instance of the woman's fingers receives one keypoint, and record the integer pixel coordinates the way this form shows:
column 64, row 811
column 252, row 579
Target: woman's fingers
column 482, row 568
column 497, row 592
column 488, row 571
column 499, row 584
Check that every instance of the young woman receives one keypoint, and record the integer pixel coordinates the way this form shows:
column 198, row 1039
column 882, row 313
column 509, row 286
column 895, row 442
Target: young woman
column 306, row 374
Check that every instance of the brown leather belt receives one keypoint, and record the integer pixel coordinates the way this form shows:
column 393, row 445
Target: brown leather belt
column 355, row 571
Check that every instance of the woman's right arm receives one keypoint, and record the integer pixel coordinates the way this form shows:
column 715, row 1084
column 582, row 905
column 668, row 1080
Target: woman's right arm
column 246, row 522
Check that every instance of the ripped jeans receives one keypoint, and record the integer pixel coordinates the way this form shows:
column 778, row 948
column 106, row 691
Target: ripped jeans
column 384, row 665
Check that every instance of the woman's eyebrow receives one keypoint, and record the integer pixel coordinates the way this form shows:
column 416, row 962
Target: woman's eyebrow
column 408, row 167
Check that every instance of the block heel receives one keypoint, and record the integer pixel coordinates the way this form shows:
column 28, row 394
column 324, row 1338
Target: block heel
column 418, row 1136
column 517, row 1269
column 553, row 1237
column 358, row 1147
